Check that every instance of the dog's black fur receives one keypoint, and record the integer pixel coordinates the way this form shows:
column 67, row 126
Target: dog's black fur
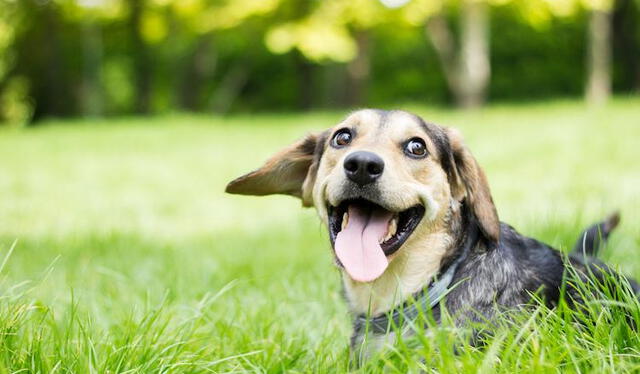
column 506, row 274
column 503, row 276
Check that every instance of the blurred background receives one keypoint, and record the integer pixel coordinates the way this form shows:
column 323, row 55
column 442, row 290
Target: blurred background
column 100, row 58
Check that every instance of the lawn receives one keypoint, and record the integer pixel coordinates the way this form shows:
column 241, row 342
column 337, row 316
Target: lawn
column 129, row 257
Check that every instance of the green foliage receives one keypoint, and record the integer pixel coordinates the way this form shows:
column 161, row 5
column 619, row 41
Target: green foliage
column 15, row 107
column 130, row 258
column 523, row 46
column 61, row 58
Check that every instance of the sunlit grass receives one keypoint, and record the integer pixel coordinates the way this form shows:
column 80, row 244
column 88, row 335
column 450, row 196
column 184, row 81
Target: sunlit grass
column 130, row 258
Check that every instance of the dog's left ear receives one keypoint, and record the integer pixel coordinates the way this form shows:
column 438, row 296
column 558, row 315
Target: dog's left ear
column 468, row 182
column 291, row 171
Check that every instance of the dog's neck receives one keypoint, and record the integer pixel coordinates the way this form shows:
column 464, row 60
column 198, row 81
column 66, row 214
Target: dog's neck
column 409, row 272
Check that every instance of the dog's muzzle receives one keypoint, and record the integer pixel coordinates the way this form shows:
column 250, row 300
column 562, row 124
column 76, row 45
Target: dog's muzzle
column 364, row 234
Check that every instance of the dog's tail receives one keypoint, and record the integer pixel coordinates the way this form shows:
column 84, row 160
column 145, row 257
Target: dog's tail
column 595, row 236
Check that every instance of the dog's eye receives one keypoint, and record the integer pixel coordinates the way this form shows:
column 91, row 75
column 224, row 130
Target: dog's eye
column 341, row 138
column 415, row 148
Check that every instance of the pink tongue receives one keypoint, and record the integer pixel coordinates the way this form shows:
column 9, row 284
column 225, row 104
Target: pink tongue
column 357, row 245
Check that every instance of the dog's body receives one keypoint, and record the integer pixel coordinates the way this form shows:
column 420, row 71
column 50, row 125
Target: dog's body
column 406, row 203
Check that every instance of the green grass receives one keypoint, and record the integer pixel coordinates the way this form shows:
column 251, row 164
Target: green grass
column 129, row 257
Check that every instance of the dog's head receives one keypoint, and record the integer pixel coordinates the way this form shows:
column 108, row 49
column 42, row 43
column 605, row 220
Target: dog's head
column 378, row 179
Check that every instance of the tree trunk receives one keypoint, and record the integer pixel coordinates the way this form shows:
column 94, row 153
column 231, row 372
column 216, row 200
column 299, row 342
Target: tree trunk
column 474, row 63
column 306, row 85
column 92, row 99
column 142, row 67
column 358, row 71
column 303, row 68
column 468, row 69
column 50, row 102
column 197, row 71
column 599, row 58
column 230, row 88
column 441, row 37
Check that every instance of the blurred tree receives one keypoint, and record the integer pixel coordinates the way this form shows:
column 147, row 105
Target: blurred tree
column 304, row 67
column 46, row 50
column 13, row 106
column 332, row 30
column 143, row 66
column 626, row 45
column 109, row 57
column 465, row 63
column 598, row 87
column 91, row 15
column 599, row 41
column 206, row 19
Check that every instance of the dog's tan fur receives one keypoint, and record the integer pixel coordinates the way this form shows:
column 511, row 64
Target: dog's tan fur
column 405, row 182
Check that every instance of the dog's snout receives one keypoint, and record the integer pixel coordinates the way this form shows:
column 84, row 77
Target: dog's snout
column 363, row 167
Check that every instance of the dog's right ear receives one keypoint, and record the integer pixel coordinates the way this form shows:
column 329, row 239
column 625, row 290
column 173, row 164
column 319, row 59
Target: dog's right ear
column 291, row 171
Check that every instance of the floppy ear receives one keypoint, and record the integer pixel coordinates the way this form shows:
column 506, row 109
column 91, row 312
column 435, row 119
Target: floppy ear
column 468, row 181
column 289, row 172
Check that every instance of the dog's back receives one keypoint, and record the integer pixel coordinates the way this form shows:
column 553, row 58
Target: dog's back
column 518, row 266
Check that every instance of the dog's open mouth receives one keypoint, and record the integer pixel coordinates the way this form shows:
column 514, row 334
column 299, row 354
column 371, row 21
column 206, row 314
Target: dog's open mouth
column 364, row 234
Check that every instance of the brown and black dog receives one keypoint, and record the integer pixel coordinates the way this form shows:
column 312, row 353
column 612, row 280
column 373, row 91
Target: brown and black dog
column 409, row 214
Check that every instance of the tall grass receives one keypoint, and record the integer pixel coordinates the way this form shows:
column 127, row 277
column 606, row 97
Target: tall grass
column 598, row 336
column 129, row 258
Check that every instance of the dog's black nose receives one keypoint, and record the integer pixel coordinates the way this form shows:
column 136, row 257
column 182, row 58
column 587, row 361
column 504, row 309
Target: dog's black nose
column 363, row 167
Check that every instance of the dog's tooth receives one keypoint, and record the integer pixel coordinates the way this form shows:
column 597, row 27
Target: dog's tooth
column 391, row 230
column 393, row 226
column 389, row 235
column 345, row 220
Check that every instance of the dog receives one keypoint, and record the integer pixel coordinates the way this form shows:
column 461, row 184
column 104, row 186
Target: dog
column 410, row 217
